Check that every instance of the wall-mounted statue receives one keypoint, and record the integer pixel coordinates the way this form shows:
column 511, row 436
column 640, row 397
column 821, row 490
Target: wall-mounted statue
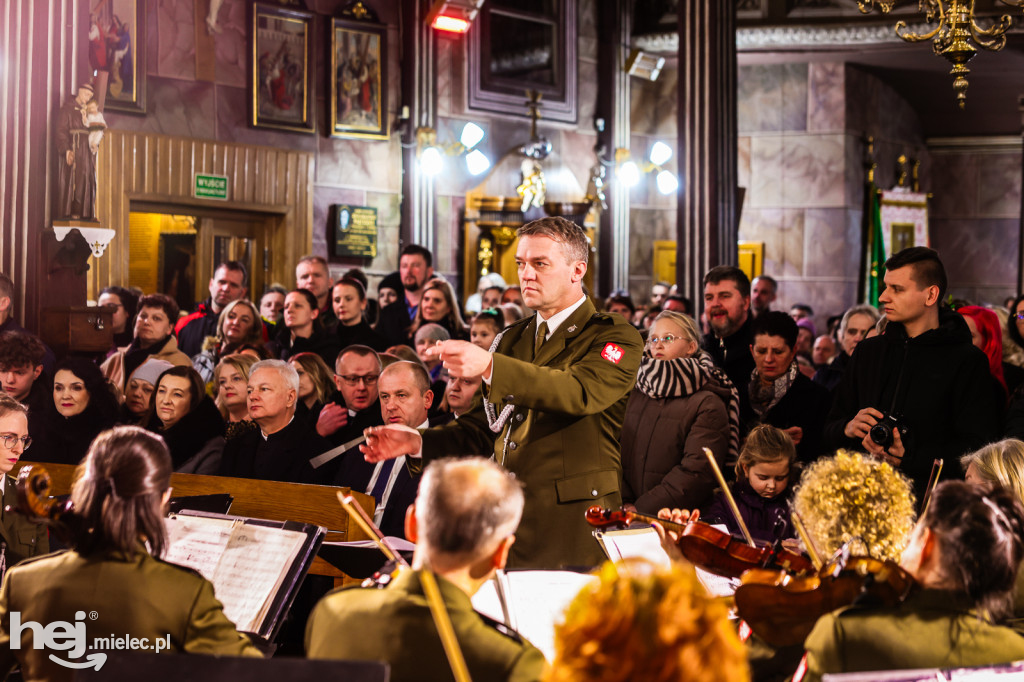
column 80, row 127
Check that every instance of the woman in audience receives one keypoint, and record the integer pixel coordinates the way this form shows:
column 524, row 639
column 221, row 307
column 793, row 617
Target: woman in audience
column 639, row 623
column 83, row 405
column 427, row 336
column 188, row 421
column 138, row 395
column 1013, row 355
column 231, row 386
column 620, row 303
column 120, row 498
column 239, row 323
column 459, row 396
column 316, row 383
column 964, row 555
column 123, row 302
column 484, row 327
column 348, row 299
column 682, row 403
column 390, row 290
column 779, row 393
column 438, row 306
column 154, row 337
column 987, row 336
column 302, row 332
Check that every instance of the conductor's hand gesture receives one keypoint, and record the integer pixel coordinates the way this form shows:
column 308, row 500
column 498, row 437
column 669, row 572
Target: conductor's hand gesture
column 390, row 441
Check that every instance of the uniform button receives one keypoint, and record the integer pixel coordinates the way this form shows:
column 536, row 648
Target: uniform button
column 512, row 446
column 594, row 493
column 519, row 418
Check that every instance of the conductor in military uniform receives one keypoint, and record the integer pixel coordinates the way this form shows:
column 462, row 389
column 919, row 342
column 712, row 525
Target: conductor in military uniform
column 555, row 387
column 462, row 522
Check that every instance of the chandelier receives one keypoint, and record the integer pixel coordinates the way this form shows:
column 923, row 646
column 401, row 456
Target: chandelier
column 957, row 36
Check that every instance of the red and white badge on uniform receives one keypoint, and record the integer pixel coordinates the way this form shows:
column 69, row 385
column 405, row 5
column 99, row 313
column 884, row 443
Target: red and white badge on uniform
column 612, row 353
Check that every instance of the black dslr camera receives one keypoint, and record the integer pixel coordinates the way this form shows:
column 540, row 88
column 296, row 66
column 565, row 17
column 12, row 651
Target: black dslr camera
column 881, row 433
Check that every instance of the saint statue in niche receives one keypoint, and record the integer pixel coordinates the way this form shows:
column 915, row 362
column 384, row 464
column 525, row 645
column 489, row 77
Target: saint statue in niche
column 80, row 127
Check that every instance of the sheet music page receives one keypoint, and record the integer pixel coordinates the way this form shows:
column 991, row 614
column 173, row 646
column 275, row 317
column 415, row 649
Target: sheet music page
column 716, row 585
column 537, row 600
column 252, row 569
column 635, row 543
column 487, row 601
column 197, row 542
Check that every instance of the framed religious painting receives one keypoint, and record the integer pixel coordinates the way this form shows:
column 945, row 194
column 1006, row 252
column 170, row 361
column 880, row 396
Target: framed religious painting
column 359, row 95
column 117, row 53
column 281, row 84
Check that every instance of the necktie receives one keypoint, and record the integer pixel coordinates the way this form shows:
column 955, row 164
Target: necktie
column 542, row 335
column 382, row 481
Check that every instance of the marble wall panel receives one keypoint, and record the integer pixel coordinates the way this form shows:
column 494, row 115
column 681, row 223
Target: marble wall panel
column 955, row 185
column 766, row 225
column 861, row 94
column 173, row 107
column 232, row 44
column 985, row 253
column 766, row 171
column 794, row 97
column 358, row 163
column 576, row 149
column 666, row 107
column 813, row 170
column 791, row 238
column 827, row 247
column 177, row 40
column 586, row 94
column 999, row 180
column 826, row 108
column 233, row 124
column 389, row 217
column 641, row 117
column 854, row 173
column 826, row 297
column 743, row 178
column 323, row 198
column 759, row 98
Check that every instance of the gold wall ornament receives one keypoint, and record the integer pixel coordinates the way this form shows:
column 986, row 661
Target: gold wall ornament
column 485, row 254
column 957, row 36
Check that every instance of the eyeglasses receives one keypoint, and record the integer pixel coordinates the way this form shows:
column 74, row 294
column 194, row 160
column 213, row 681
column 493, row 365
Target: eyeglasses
column 667, row 340
column 354, row 379
column 1019, row 316
column 11, row 439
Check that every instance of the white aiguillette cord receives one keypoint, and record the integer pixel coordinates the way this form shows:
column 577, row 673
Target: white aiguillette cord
column 430, row 589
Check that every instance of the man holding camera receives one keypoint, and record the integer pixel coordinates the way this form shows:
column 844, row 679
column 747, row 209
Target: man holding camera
column 920, row 391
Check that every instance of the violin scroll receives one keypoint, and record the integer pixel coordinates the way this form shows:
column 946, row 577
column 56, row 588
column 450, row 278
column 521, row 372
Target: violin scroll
column 34, row 500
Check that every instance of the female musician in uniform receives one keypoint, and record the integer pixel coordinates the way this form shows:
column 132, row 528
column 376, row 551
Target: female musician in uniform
column 113, row 572
column 21, row 538
column 963, row 554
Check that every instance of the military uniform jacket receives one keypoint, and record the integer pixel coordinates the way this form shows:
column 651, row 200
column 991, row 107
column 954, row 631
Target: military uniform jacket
column 23, row 538
column 931, row 629
column 564, row 412
column 394, row 625
column 138, row 597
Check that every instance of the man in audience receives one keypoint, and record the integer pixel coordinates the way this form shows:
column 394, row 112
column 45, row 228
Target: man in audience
column 280, row 450
column 678, row 303
column 229, row 283
column 21, row 364
column 853, row 328
column 922, row 381
column 764, row 289
column 823, row 351
column 727, row 307
column 353, row 408
column 405, row 398
column 415, row 267
column 659, row 292
column 272, row 307
column 463, row 524
column 313, row 275
column 9, row 324
column 800, row 310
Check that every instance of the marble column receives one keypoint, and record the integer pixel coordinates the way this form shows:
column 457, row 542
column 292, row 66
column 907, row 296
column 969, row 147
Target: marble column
column 419, row 80
column 707, row 221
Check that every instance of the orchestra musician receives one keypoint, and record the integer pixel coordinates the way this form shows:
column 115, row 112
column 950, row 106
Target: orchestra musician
column 114, row 572
column 21, row 537
column 463, row 523
column 963, row 554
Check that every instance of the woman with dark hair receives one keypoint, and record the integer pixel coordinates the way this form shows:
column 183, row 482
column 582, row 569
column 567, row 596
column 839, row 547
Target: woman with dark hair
column 348, row 299
column 438, row 306
column 123, row 302
column 963, row 555
column 188, row 420
column 301, row 331
column 316, row 384
column 113, row 572
column 138, row 393
column 239, row 324
column 154, row 337
column 83, row 405
column 987, row 336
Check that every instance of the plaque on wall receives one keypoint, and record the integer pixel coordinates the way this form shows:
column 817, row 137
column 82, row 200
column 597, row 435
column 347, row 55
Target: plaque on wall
column 355, row 231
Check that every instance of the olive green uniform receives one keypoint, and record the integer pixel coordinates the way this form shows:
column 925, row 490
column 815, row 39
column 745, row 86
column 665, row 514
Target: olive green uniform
column 22, row 538
column 931, row 629
column 564, row 411
column 394, row 625
column 138, row 597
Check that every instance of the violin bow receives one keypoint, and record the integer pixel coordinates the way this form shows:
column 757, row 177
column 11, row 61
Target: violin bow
column 805, row 537
column 933, row 480
column 728, row 497
column 431, row 591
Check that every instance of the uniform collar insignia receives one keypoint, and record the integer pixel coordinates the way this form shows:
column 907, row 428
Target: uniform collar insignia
column 571, row 329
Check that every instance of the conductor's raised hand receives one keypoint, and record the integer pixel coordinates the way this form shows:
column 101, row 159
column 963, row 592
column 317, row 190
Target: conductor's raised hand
column 462, row 359
column 390, row 441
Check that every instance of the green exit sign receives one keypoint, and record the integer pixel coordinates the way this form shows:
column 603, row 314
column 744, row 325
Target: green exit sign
column 211, row 186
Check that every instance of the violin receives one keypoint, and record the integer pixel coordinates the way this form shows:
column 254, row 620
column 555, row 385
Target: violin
column 782, row 609
column 711, row 549
column 36, row 503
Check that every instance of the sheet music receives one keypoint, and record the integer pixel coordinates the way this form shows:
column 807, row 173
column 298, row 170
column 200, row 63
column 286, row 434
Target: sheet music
column 197, row 543
column 716, row 585
column 634, row 543
column 487, row 601
column 537, row 600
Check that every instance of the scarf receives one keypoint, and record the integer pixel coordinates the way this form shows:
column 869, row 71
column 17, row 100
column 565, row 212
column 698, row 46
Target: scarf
column 682, row 377
column 764, row 398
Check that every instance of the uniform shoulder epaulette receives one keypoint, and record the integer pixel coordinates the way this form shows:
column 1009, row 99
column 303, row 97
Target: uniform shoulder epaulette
column 501, row 628
column 30, row 560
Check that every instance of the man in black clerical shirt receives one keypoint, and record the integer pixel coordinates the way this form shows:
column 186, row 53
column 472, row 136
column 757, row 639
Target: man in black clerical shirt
column 282, row 447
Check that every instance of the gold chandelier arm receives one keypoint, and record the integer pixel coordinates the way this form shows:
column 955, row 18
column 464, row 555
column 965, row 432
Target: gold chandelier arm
column 911, row 37
column 865, row 6
column 993, row 38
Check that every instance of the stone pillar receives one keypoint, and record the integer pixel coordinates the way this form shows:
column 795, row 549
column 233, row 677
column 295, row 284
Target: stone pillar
column 708, row 218
column 418, row 93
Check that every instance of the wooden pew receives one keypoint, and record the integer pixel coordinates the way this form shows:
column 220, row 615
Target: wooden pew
column 317, row 504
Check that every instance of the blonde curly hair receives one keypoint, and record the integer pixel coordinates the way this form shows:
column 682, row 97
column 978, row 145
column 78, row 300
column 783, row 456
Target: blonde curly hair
column 641, row 622
column 854, row 497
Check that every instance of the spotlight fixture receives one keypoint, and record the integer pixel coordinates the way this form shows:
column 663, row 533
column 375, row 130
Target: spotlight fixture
column 453, row 16
column 431, row 154
column 629, row 171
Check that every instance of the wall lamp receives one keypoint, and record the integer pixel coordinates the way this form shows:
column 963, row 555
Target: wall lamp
column 628, row 171
column 430, row 154
column 453, row 16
